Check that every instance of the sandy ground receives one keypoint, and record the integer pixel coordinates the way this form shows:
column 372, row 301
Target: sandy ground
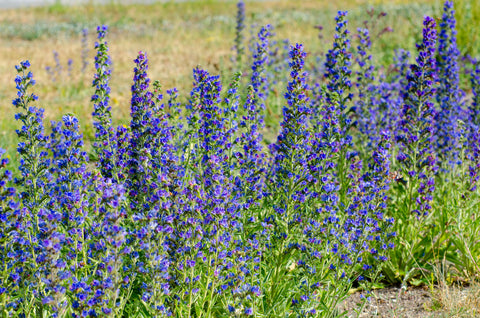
column 393, row 302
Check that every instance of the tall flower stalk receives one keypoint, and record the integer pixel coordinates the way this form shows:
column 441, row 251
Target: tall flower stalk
column 474, row 109
column 84, row 50
column 416, row 157
column 292, row 181
column 337, row 99
column 35, row 183
column 33, row 162
column 140, row 148
column 367, row 114
column 338, row 71
column 415, row 136
column 239, row 32
column 259, row 79
column 104, row 145
column 448, row 92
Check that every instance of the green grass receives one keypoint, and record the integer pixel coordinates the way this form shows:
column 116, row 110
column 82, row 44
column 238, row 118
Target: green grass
column 178, row 37
column 468, row 17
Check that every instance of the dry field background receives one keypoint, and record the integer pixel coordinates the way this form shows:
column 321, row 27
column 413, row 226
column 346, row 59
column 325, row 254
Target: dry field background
column 176, row 36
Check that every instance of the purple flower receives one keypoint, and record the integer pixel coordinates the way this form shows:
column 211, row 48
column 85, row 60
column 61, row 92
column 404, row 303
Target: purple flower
column 449, row 95
column 85, row 50
column 415, row 133
column 239, row 36
column 259, row 79
column 337, row 66
column 474, row 108
column 104, row 144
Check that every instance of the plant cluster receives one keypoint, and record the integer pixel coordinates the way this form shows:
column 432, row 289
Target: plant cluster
column 186, row 212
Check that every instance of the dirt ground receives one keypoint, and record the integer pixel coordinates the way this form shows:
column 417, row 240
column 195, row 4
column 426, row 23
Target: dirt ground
column 393, row 302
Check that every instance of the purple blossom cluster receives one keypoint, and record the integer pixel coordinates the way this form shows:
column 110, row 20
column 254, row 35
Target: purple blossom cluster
column 85, row 50
column 448, row 95
column 261, row 56
column 366, row 115
column 337, row 65
column 104, row 133
column 184, row 213
column 474, row 107
column 239, row 35
column 415, row 133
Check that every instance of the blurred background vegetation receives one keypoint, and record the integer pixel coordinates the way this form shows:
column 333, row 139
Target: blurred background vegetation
column 180, row 36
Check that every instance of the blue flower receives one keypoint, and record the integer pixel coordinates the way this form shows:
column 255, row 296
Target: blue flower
column 415, row 133
column 240, row 26
column 449, row 96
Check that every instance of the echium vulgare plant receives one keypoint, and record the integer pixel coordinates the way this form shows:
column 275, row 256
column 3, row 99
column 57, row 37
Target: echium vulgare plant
column 415, row 133
column 366, row 114
column 11, row 254
column 367, row 231
column 344, row 226
column 140, row 148
column 473, row 128
column 154, row 184
column 106, row 288
column 259, row 78
column 104, row 145
column 474, row 109
column 34, row 183
column 33, row 156
column 251, row 158
column 248, row 192
column 63, row 220
column 241, row 272
column 204, row 224
column 84, row 50
column 239, row 32
column 292, row 196
column 69, row 164
column 416, row 155
column 337, row 109
column 70, row 196
column 449, row 95
column 220, row 209
column 338, row 70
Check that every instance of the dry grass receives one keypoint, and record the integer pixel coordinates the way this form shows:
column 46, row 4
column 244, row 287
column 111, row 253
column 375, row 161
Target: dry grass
column 177, row 37
column 454, row 294
column 457, row 301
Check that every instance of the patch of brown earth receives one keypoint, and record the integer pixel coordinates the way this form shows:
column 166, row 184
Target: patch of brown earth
column 393, row 302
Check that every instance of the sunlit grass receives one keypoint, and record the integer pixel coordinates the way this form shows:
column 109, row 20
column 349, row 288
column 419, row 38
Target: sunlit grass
column 177, row 37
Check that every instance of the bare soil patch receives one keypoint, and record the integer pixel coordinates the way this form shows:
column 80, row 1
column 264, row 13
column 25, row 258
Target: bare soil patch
column 421, row 302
